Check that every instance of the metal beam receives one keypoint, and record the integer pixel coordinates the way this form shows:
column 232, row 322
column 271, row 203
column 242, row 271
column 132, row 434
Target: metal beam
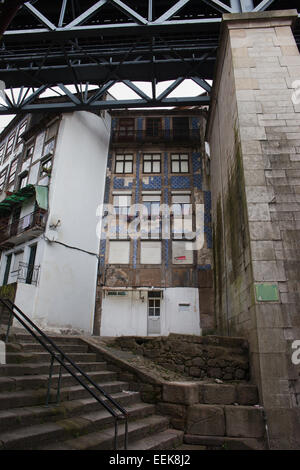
column 128, row 11
column 174, row 9
column 109, row 104
column 219, row 6
column 263, row 5
column 40, row 16
column 87, row 14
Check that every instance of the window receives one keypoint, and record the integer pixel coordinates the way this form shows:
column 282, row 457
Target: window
column 28, row 152
column 18, row 257
column 181, row 254
column 124, row 163
column 2, row 148
column 3, row 179
column 46, row 167
column 10, row 144
column 154, row 304
column 23, row 178
column 181, row 216
column 180, row 127
column 150, row 252
column 7, row 269
column 49, row 147
column 151, row 163
column 122, row 204
column 153, row 127
column 126, row 128
column 179, row 163
column 21, row 131
column 31, row 262
column 118, row 252
column 153, row 228
column 12, row 172
column 51, row 131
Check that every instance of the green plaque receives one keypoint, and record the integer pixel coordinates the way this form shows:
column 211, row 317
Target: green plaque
column 267, row 292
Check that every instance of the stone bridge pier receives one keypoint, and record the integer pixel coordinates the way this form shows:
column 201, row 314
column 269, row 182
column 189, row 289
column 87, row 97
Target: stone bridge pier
column 254, row 135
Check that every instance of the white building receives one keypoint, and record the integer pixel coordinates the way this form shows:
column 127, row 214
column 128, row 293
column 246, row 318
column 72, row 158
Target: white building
column 52, row 176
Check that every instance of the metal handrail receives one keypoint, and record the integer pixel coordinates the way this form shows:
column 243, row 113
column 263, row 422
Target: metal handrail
column 61, row 357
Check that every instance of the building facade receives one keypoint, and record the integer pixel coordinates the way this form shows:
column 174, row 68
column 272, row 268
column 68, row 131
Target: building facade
column 52, row 181
column 156, row 244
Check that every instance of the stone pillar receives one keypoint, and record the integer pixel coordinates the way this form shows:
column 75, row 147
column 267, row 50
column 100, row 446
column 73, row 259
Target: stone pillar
column 254, row 134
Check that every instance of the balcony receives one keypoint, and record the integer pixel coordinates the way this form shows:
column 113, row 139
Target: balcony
column 26, row 273
column 176, row 136
column 23, row 229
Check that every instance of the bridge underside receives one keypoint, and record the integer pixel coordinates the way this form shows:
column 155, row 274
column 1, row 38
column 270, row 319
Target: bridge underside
column 80, row 49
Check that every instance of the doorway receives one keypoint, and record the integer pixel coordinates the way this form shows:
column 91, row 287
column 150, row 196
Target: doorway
column 154, row 309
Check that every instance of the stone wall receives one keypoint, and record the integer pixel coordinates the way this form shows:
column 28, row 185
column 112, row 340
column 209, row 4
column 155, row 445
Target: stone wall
column 254, row 130
column 199, row 357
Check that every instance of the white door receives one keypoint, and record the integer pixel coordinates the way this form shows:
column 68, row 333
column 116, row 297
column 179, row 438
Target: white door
column 154, row 305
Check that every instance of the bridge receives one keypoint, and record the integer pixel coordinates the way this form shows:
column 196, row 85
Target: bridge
column 79, row 49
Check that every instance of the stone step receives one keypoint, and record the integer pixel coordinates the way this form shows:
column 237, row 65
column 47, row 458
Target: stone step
column 28, row 338
column 40, row 368
column 223, row 443
column 41, row 381
column 104, row 440
column 16, row 417
column 38, row 397
column 32, row 347
column 165, row 440
column 30, row 437
column 17, row 358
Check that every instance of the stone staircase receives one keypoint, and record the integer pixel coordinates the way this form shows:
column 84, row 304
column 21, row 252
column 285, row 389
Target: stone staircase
column 78, row 421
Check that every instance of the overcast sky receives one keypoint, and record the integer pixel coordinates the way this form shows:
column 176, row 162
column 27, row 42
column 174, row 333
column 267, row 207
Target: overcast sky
column 121, row 91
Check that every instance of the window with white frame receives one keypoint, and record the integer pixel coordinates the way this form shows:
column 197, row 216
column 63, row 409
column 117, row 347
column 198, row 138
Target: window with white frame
column 124, row 163
column 151, row 163
column 179, row 163
column 3, row 178
column 21, row 131
column 10, row 144
column 2, row 149
column 12, row 172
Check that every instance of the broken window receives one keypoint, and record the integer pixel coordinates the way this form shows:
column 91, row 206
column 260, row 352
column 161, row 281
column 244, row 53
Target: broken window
column 3, row 178
column 21, row 131
column 12, row 172
column 10, row 144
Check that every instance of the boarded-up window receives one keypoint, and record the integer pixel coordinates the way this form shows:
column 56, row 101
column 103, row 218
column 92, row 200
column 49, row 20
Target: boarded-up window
column 181, row 254
column 182, row 220
column 119, row 252
column 150, row 252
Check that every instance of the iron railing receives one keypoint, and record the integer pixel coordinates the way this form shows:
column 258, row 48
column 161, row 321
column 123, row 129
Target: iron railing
column 156, row 135
column 33, row 220
column 116, row 411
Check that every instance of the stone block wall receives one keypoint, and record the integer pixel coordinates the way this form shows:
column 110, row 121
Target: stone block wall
column 197, row 357
column 254, row 131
